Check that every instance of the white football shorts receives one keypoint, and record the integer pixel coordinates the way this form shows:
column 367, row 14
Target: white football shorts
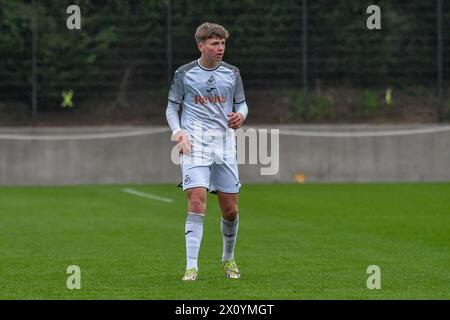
column 216, row 171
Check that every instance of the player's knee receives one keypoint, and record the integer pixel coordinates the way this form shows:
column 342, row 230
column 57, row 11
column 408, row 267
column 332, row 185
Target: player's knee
column 197, row 205
column 197, row 201
column 230, row 211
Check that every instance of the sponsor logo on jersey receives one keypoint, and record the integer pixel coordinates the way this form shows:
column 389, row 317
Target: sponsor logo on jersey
column 212, row 99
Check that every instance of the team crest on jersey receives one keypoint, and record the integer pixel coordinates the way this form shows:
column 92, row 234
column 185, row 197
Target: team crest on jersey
column 211, row 81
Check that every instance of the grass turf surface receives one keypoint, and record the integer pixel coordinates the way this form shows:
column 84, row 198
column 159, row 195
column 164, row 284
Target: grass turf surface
column 312, row 241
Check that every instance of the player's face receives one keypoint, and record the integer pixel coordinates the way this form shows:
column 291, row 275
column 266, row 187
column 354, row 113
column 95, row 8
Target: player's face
column 212, row 49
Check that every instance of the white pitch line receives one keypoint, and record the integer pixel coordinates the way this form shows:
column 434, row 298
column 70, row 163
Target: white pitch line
column 355, row 134
column 146, row 195
column 105, row 135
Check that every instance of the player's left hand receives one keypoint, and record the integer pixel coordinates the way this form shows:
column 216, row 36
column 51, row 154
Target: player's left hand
column 235, row 120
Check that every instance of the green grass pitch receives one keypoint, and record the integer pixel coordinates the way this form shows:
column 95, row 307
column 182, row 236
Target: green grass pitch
column 310, row 241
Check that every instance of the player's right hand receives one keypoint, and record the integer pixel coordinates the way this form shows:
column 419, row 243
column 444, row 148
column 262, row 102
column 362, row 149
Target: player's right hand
column 183, row 143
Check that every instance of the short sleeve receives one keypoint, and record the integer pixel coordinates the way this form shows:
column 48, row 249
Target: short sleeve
column 239, row 95
column 176, row 92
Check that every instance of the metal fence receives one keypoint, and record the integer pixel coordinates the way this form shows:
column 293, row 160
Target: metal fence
column 301, row 61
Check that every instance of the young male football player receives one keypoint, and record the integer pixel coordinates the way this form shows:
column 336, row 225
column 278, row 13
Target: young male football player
column 212, row 95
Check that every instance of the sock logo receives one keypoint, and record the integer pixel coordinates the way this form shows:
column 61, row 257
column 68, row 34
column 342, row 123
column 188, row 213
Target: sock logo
column 229, row 235
column 188, row 232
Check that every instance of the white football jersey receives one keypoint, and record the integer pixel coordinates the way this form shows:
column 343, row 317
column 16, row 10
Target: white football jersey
column 206, row 95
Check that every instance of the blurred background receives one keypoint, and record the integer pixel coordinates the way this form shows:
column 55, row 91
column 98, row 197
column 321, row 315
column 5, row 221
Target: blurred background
column 352, row 104
column 301, row 61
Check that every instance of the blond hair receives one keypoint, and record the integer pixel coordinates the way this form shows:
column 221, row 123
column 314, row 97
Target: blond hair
column 209, row 30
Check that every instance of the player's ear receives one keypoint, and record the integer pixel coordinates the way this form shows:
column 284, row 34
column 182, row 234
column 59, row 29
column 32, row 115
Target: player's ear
column 200, row 46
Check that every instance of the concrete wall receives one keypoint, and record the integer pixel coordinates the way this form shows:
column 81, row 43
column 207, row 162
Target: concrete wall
column 315, row 153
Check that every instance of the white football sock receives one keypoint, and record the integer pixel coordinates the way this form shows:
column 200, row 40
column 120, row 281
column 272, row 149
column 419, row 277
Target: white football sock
column 193, row 233
column 229, row 234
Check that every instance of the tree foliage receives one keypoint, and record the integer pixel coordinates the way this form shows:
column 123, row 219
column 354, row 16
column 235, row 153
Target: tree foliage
column 121, row 49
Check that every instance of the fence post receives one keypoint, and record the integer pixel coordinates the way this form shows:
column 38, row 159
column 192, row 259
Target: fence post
column 169, row 40
column 439, row 60
column 34, row 107
column 305, row 59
